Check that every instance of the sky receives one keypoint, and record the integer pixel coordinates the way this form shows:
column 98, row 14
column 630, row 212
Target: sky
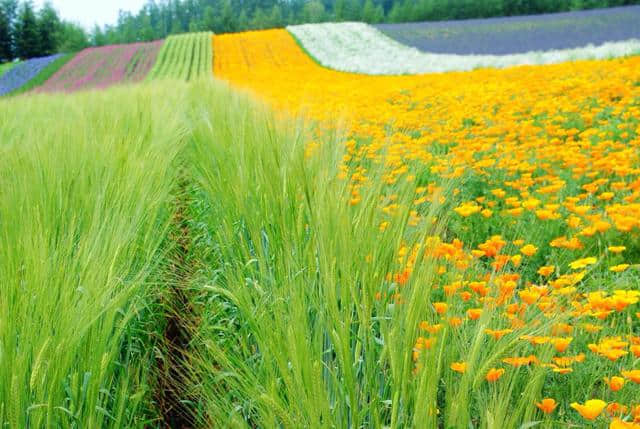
column 90, row 12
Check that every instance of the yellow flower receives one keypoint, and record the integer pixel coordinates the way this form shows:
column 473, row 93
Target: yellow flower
column 460, row 367
column 633, row 375
column 581, row 263
column 591, row 409
column 617, row 423
column 547, row 270
column 619, row 268
column 528, row 250
column 467, row 209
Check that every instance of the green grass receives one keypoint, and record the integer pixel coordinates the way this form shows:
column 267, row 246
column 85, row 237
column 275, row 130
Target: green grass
column 44, row 74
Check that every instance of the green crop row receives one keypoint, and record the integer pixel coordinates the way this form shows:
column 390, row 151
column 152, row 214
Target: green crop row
column 185, row 57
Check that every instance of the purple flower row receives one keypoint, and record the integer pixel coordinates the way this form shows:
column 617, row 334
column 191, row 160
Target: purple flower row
column 22, row 73
column 520, row 34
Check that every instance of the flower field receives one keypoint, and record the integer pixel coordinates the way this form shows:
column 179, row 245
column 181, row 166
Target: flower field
column 6, row 67
column 361, row 48
column 336, row 230
column 517, row 34
column 185, row 57
column 528, row 180
column 22, row 73
column 104, row 66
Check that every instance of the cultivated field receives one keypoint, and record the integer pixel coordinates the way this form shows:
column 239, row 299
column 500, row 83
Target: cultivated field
column 360, row 48
column 18, row 75
column 104, row 66
column 186, row 57
column 5, row 67
column 517, row 34
column 292, row 228
column 512, row 200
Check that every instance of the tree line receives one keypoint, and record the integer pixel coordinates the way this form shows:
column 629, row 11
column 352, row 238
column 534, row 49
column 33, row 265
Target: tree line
column 157, row 19
column 26, row 33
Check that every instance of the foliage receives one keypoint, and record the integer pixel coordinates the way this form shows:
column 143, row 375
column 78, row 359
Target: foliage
column 27, row 37
column 27, row 33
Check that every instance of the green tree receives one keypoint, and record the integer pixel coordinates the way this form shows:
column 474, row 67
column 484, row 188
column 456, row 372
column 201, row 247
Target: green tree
column 6, row 48
column 26, row 33
column 145, row 31
column 209, row 21
column 314, row 11
column 275, row 18
column 10, row 10
column 243, row 21
column 353, row 10
column 48, row 26
column 339, row 10
column 98, row 37
column 372, row 13
column 228, row 21
column 72, row 37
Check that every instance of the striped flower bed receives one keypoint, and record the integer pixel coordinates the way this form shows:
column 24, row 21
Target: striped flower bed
column 518, row 34
column 360, row 48
column 23, row 72
column 105, row 66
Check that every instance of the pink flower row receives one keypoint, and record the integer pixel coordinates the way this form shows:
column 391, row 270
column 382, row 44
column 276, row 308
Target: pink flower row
column 105, row 66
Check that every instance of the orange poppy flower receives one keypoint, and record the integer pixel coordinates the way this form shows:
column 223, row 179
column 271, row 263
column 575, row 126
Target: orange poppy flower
column 633, row 375
column 460, row 367
column 528, row 250
column 617, row 423
column 474, row 313
column 614, row 383
column 561, row 344
column 547, row 270
column 440, row 307
column 494, row 374
column 547, row 405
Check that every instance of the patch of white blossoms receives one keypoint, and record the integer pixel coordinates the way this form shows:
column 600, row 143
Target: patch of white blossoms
column 360, row 48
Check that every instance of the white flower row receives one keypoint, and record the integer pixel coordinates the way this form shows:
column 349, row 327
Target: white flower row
column 360, row 48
